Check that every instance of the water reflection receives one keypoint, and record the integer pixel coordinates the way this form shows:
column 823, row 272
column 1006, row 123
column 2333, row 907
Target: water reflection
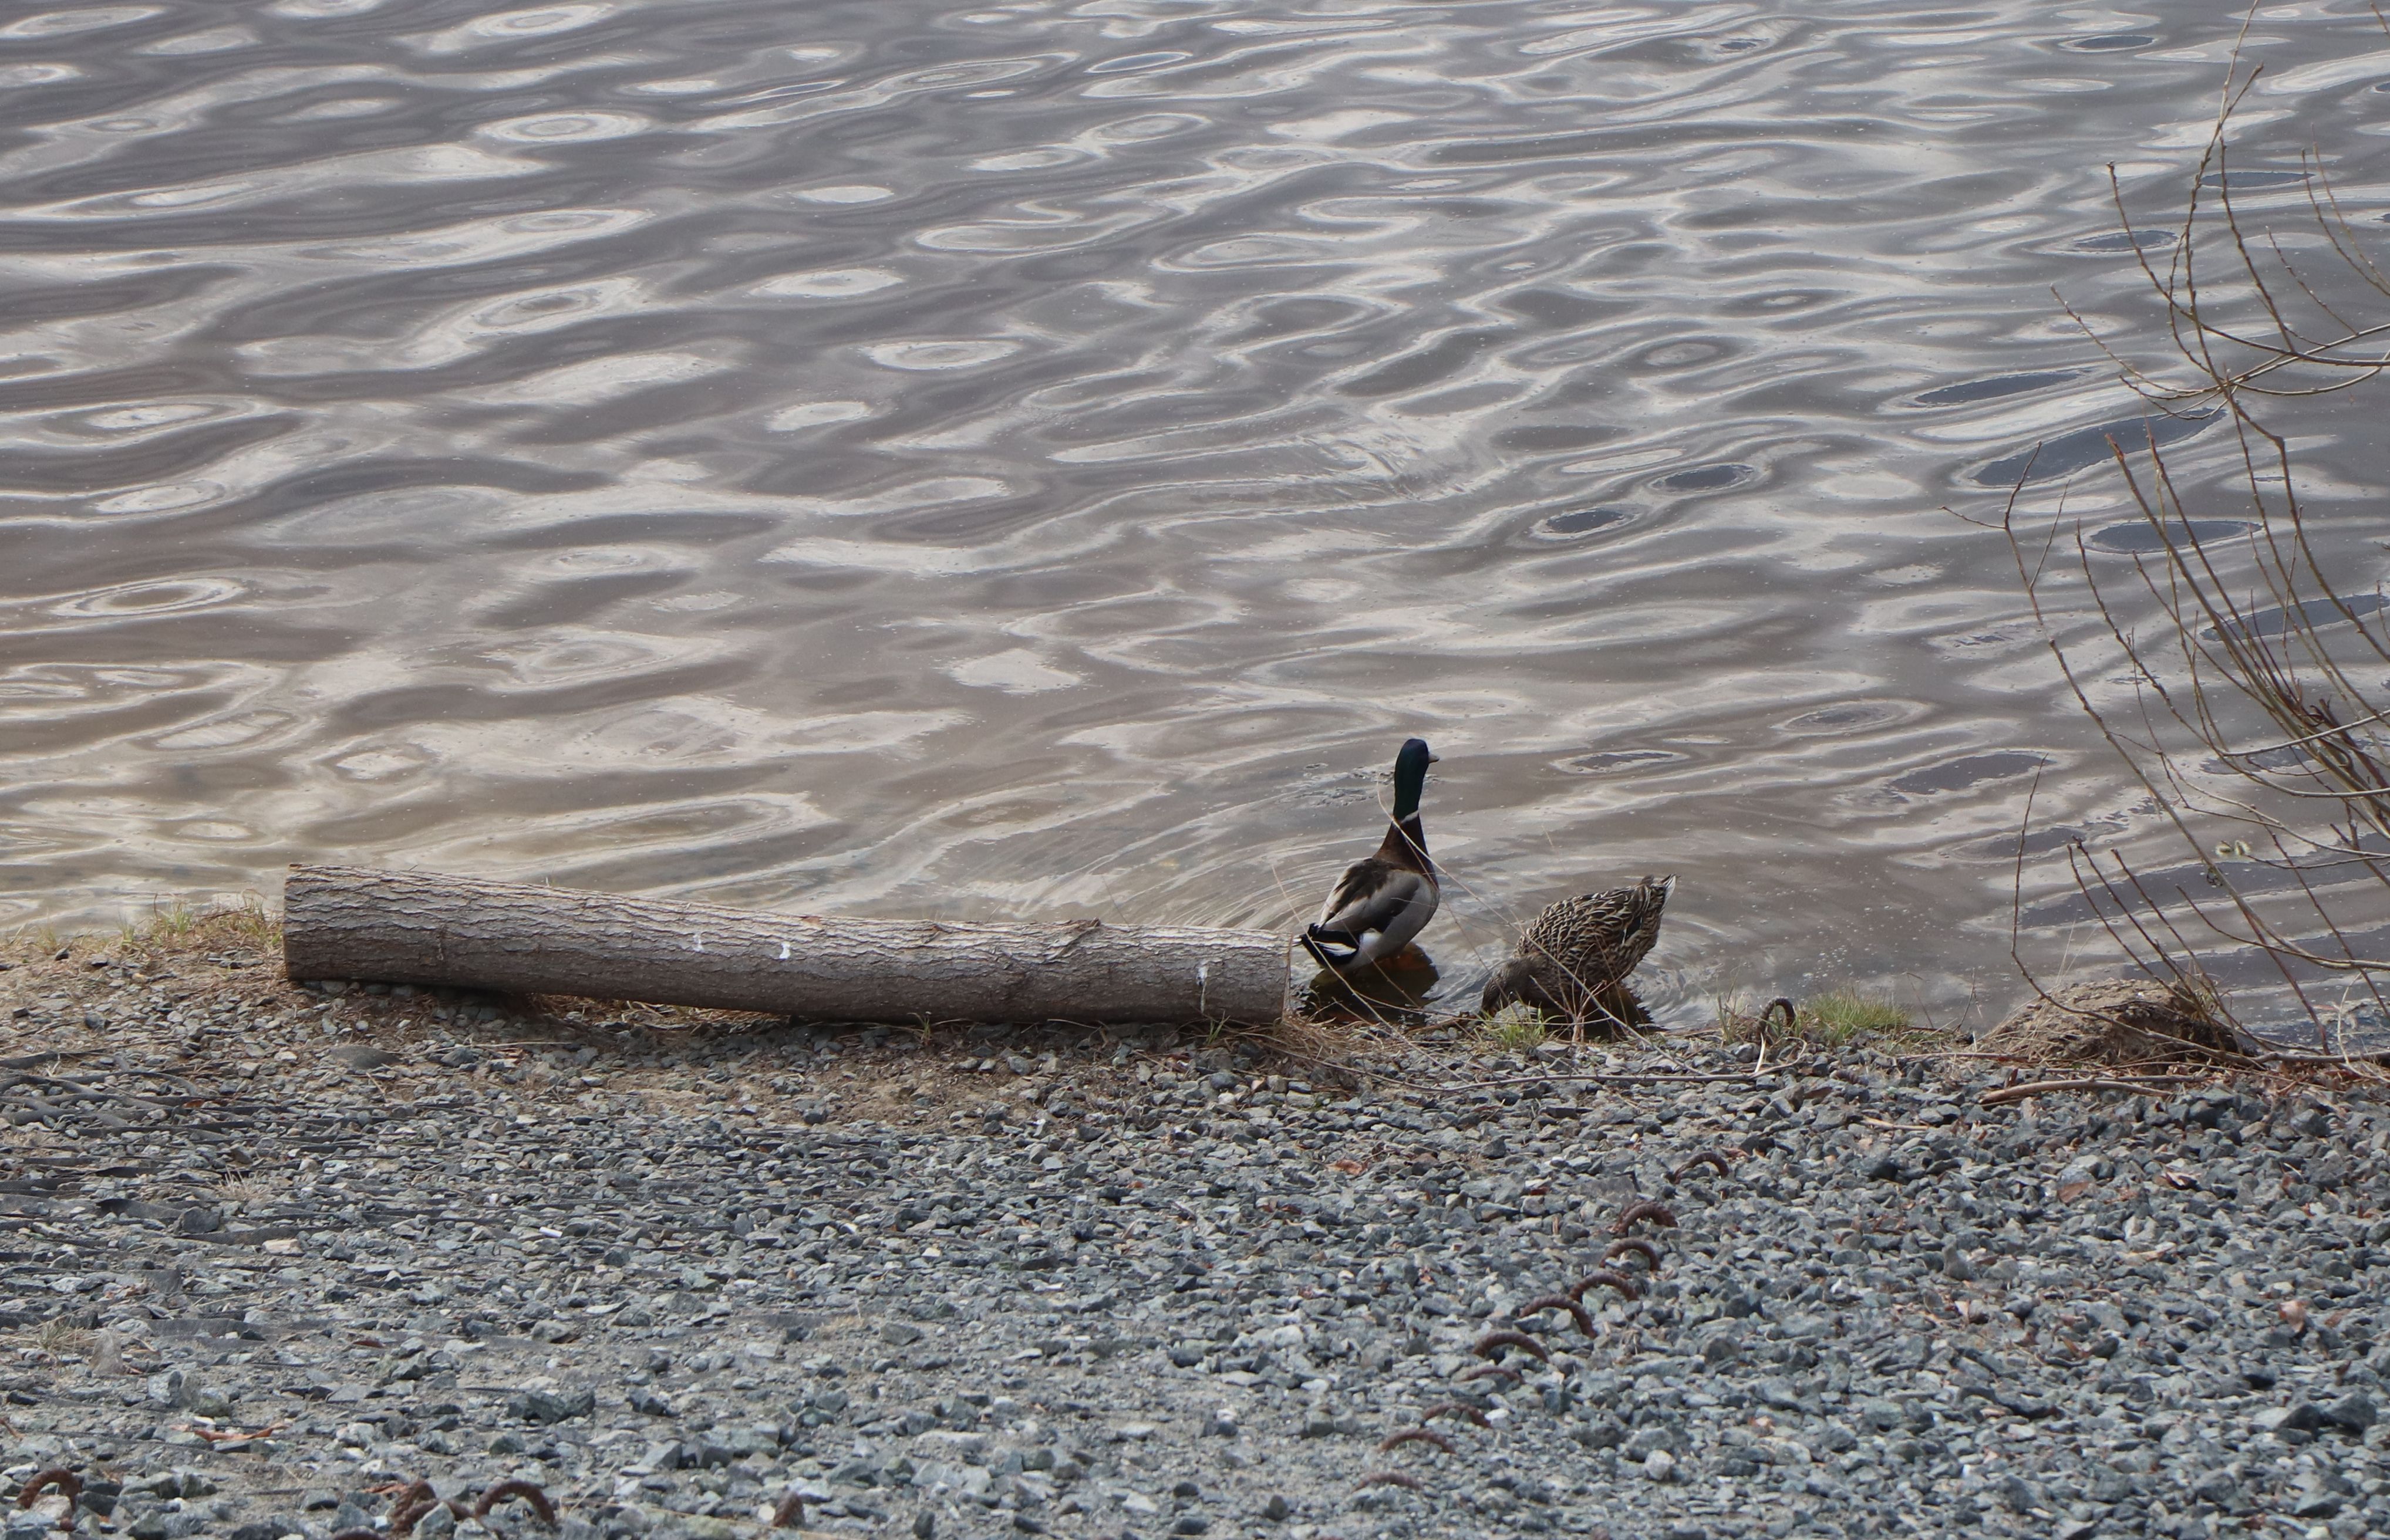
column 2141, row 537
column 1404, row 989
column 1027, row 460
column 2069, row 453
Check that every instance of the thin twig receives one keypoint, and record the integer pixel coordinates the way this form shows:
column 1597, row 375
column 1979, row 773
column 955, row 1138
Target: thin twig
column 2048, row 1087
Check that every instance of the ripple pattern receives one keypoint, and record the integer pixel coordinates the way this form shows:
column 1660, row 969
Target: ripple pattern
column 1039, row 458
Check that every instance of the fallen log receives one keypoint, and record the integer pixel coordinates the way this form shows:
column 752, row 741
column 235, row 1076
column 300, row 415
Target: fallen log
column 424, row 927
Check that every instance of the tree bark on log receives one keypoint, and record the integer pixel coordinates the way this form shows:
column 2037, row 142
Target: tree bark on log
column 423, row 928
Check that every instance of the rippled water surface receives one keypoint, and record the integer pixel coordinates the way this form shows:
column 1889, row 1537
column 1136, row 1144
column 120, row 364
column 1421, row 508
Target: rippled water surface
column 1042, row 458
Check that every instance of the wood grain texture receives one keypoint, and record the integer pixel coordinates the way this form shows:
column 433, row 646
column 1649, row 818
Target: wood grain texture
column 426, row 928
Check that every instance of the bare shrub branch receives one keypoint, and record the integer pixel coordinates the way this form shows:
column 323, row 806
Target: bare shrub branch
column 2252, row 707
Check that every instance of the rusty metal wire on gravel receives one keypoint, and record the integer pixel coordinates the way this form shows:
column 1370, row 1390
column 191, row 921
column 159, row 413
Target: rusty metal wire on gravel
column 1714, row 1159
column 67, row 1482
column 415, row 1502
column 1577, row 1312
column 419, row 1500
column 1491, row 1344
column 416, row 1491
column 1461, row 1409
column 528, row 1491
column 1658, row 1213
column 1635, row 1245
column 1416, row 1435
column 1603, row 1277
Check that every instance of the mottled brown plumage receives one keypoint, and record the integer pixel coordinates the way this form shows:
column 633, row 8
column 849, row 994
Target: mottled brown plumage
column 1581, row 949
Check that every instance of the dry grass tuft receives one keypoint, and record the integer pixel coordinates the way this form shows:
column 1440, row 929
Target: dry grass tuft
column 248, row 1188
column 171, row 928
column 2122, row 1023
column 177, row 929
column 60, row 1336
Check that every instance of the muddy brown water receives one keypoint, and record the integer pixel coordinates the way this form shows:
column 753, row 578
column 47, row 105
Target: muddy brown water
column 1040, row 460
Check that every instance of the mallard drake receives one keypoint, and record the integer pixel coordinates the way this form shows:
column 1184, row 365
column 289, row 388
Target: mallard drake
column 1580, row 950
column 1380, row 903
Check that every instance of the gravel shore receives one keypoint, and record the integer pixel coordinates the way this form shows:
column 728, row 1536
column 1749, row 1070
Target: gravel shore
column 274, row 1253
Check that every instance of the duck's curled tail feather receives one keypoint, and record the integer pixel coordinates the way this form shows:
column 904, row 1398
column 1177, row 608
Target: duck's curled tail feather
column 1333, row 948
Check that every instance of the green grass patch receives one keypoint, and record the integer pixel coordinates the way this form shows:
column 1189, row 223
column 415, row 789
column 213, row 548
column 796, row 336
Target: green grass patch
column 1842, row 1015
column 1518, row 1028
column 1831, row 1020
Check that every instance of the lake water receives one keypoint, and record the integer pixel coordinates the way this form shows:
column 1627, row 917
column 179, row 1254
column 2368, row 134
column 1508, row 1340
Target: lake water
column 1041, row 459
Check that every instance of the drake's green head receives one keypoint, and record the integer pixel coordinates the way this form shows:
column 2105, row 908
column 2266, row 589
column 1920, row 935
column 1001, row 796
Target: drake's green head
column 1410, row 777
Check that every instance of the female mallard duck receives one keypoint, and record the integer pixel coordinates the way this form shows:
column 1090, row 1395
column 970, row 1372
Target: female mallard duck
column 1383, row 902
column 1580, row 950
